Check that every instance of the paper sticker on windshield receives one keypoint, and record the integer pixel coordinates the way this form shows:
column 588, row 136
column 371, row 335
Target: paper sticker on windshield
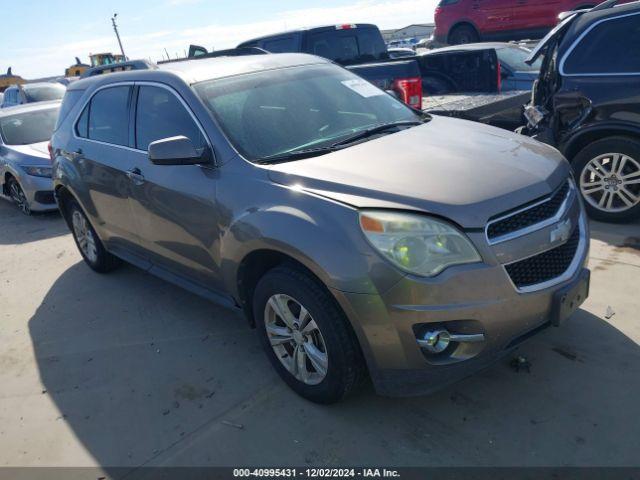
column 362, row 88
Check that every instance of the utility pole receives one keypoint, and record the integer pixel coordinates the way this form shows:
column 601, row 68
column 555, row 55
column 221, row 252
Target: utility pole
column 115, row 29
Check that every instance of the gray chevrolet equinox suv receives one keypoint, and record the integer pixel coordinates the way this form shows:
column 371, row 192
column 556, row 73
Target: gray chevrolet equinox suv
column 357, row 235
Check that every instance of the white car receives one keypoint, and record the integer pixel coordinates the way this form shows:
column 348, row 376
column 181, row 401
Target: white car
column 25, row 163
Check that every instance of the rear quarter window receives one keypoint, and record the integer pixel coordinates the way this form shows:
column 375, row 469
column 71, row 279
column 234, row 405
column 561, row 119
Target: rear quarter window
column 611, row 47
column 69, row 101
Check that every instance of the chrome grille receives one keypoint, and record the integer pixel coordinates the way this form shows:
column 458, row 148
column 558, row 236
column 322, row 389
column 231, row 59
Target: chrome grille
column 528, row 216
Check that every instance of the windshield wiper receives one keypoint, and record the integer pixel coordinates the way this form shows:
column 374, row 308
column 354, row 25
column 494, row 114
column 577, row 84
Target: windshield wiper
column 316, row 152
column 375, row 129
column 296, row 155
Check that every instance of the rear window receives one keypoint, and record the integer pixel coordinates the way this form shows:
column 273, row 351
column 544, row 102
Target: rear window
column 348, row 46
column 29, row 127
column 600, row 51
column 44, row 93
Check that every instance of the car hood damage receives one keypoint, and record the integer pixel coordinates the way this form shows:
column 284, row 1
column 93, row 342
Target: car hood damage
column 460, row 170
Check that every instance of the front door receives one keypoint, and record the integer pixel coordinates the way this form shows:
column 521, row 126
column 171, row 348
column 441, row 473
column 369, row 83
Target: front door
column 175, row 205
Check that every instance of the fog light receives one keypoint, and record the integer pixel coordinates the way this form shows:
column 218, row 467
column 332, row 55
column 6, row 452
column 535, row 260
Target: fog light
column 436, row 341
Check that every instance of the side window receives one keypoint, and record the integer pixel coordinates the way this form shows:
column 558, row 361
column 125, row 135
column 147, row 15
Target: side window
column 109, row 116
column 159, row 114
column 280, row 45
column 600, row 50
column 12, row 96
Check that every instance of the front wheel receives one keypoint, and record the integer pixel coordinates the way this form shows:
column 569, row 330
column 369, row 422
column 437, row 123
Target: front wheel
column 306, row 336
column 17, row 196
column 608, row 173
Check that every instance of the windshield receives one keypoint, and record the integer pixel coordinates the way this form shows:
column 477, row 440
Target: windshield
column 514, row 58
column 44, row 93
column 29, row 127
column 279, row 111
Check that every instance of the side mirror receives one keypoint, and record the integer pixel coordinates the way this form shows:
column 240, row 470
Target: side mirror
column 176, row 151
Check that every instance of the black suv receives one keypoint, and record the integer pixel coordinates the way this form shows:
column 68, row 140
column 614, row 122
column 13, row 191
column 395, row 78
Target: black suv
column 586, row 102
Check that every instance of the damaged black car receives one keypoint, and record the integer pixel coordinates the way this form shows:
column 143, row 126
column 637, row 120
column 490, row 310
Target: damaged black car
column 586, row 103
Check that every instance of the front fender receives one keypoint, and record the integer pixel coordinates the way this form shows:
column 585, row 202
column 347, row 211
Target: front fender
column 320, row 234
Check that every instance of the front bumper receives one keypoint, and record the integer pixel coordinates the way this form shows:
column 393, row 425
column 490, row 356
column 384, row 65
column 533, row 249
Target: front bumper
column 468, row 299
column 39, row 193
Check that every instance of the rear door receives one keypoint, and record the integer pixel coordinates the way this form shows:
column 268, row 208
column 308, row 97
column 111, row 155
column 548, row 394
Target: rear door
column 493, row 17
column 532, row 16
column 103, row 157
column 175, row 205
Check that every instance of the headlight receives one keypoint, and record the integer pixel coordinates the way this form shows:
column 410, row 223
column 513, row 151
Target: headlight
column 38, row 171
column 417, row 244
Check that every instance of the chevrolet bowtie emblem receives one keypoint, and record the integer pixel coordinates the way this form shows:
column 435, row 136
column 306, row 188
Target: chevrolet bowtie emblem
column 562, row 232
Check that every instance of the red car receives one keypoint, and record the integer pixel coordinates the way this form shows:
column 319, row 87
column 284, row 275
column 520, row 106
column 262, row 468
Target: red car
column 469, row 21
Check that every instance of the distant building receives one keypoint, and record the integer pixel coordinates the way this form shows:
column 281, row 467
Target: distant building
column 417, row 31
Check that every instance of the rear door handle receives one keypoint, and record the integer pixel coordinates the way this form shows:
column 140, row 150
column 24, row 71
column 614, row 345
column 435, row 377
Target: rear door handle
column 135, row 175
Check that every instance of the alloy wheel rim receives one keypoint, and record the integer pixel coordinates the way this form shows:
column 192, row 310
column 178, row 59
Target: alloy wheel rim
column 19, row 198
column 611, row 182
column 296, row 339
column 84, row 236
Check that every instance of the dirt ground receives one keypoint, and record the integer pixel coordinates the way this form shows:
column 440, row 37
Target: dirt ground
column 127, row 370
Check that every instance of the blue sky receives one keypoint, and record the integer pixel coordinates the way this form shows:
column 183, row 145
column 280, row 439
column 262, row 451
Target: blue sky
column 43, row 37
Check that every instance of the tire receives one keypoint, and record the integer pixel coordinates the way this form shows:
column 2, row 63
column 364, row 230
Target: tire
column 17, row 196
column 610, row 196
column 463, row 34
column 88, row 242
column 289, row 287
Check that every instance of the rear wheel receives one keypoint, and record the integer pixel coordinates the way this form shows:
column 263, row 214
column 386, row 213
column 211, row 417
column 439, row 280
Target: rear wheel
column 608, row 173
column 463, row 34
column 88, row 242
column 306, row 336
column 17, row 196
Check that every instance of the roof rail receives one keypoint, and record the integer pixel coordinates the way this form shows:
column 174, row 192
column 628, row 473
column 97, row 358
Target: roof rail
column 604, row 5
column 119, row 67
column 231, row 52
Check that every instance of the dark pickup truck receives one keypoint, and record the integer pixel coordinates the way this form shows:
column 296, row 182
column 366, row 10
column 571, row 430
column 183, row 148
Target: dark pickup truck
column 358, row 47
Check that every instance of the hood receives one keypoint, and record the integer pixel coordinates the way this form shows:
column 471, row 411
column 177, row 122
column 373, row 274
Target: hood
column 464, row 171
column 34, row 154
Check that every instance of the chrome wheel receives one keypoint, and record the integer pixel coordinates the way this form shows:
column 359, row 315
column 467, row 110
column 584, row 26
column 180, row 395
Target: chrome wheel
column 296, row 339
column 611, row 182
column 18, row 197
column 84, row 236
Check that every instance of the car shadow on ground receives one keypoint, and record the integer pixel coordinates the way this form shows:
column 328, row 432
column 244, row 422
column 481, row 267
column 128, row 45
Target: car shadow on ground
column 145, row 373
column 17, row 228
column 622, row 235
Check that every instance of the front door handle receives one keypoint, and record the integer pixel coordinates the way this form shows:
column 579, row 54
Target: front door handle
column 135, row 175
